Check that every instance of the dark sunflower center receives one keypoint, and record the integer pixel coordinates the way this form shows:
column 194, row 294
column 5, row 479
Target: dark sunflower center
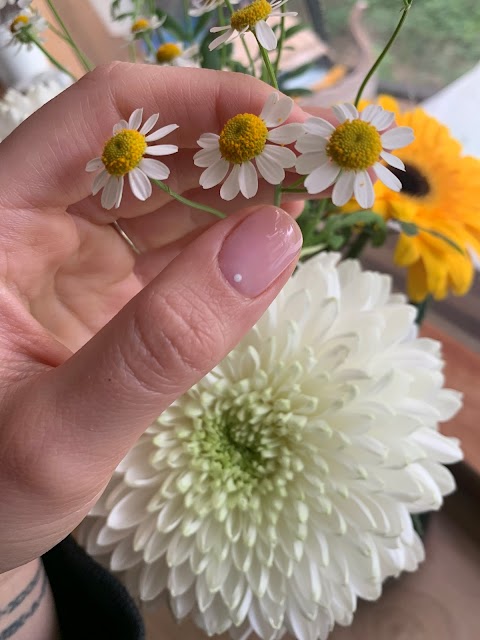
column 414, row 183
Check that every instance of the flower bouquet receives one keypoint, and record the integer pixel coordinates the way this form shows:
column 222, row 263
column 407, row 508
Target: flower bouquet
column 287, row 483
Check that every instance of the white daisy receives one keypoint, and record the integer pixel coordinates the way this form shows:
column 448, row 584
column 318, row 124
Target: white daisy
column 173, row 54
column 27, row 24
column 246, row 138
column 279, row 489
column 142, row 25
column 124, row 153
column 344, row 155
column 252, row 18
column 199, row 7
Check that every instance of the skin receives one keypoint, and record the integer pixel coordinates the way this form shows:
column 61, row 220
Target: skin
column 95, row 341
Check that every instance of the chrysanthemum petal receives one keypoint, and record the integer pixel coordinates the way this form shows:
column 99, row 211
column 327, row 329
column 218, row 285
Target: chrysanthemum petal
column 345, row 111
column 231, row 187
column 270, row 171
column 154, row 169
column 140, row 184
column 149, row 124
column 370, row 112
column 392, row 160
column 225, row 37
column 215, row 173
column 276, row 110
column 286, row 134
column 112, row 193
column 383, row 120
column 319, row 127
column 397, row 138
column 248, row 180
column 363, row 190
column 207, row 157
column 99, row 182
column 208, row 140
column 343, row 189
column 135, row 119
column 282, row 156
column 387, row 177
column 266, row 35
column 161, row 150
column 322, row 177
column 161, row 133
column 94, row 165
column 307, row 162
column 311, row 143
column 123, row 124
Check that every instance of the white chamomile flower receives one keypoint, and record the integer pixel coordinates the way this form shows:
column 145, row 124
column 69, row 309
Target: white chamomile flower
column 142, row 25
column 27, row 26
column 199, row 7
column 173, row 54
column 343, row 155
column 245, row 139
column 124, row 153
column 278, row 490
column 252, row 18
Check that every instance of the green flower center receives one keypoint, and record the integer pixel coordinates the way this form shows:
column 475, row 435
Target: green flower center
column 354, row 145
column 123, row 152
column 248, row 17
column 243, row 138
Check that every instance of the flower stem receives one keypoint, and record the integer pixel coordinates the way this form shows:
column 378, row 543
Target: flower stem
column 53, row 60
column 407, row 5
column 281, row 40
column 358, row 245
column 278, row 195
column 189, row 203
column 81, row 57
column 147, row 38
column 422, row 310
column 223, row 51
column 268, row 66
column 245, row 45
column 188, row 20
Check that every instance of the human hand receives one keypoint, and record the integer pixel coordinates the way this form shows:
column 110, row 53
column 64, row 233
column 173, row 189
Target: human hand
column 96, row 341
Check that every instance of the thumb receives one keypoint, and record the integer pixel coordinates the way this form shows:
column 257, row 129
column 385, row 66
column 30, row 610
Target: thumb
column 166, row 338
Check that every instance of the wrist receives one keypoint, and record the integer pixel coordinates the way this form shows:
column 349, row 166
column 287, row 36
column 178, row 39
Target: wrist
column 26, row 604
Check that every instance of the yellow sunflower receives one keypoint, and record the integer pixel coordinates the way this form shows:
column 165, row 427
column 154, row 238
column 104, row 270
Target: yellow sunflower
column 441, row 193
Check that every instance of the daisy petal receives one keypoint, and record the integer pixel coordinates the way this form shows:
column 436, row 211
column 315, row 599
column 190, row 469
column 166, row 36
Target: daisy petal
column 270, row 171
column 265, row 35
column 310, row 143
column 363, row 190
column 123, row 124
column 110, row 193
column 161, row 133
column 397, row 138
column 248, row 180
column 383, row 120
column 221, row 39
column 231, row 186
column 139, row 184
column 319, row 127
column 208, row 140
column 135, row 119
column 161, row 150
column 343, row 189
column 392, row 160
column 345, row 111
column 219, row 29
column 282, row 156
column 149, row 124
column 214, row 174
column 387, row 177
column 154, row 169
column 310, row 161
column 370, row 112
column 99, row 182
column 276, row 110
column 286, row 134
column 322, row 177
column 94, row 165
column 206, row 157
column 119, row 192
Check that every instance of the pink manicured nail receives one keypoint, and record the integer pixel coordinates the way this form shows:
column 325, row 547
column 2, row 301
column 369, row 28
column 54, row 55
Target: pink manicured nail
column 259, row 250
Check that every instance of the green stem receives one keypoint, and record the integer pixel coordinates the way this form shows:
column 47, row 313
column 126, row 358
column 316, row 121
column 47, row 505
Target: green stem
column 244, row 44
column 133, row 51
column 278, row 195
column 281, row 40
column 189, row 203
column 81, row 57
column 293, row 190
column 147, row 38
column 223, row 50
column 358, row 245
column 406, row 8
column 422, row 310
column 268, row 65
column 188, row 21
column 51, row 58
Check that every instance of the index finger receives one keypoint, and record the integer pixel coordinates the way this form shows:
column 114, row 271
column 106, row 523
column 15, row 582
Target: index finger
column 48, row 153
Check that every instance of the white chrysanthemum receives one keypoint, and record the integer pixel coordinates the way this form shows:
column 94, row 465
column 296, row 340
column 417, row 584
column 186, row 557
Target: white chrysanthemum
column 199, row 7
column 15, row 106
column 124, row 153
column 252, row 18
column 246, row 138
column 143, row 25
column 279, row 489
column 344, row 155
column 173, row 54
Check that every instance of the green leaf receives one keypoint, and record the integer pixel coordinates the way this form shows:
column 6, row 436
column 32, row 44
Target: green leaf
column 339, row 227
column 202, row 24
column 210, row 59
column 288, row 75
column 295, row 93
column 291, row 31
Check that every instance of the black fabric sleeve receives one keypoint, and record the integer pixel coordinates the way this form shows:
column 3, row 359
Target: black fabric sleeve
column 91, row 604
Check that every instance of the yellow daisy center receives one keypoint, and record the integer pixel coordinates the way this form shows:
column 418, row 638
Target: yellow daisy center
column 140, row 25
column 123, row 152
column 354, row 145
column 19, row 22
column 248, row 17
column 168, row 52
column 243, row 138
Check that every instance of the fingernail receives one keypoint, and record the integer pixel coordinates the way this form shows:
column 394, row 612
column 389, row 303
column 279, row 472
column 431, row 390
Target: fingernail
column 259, row 249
